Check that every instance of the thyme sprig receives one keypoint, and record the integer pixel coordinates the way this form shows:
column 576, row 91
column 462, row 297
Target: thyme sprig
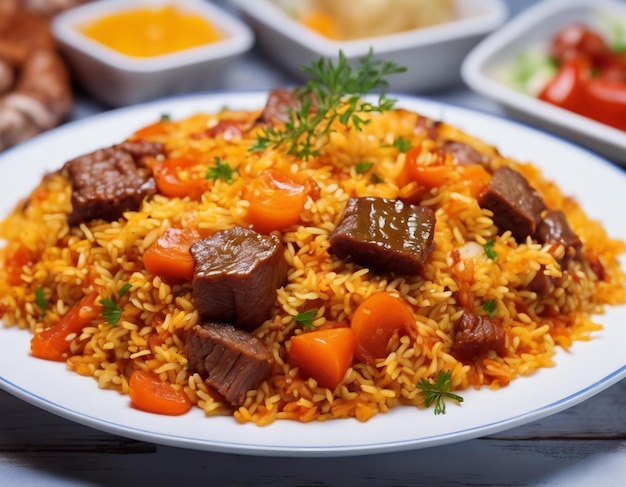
column 334, row 92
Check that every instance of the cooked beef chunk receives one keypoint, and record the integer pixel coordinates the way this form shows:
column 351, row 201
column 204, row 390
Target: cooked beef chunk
column 542, row 284
column 236, row 274
column 278, row 104
column 230, row 360
column 110, row 181
column 464, row 153
column 554, row 229
column 516, row 206
column 426, row 126
column 475, row 335
column 384, row 235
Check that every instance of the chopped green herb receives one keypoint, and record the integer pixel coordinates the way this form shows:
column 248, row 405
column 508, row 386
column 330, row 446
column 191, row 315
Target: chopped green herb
column 124, row 289
column 221, row 170
column 402, row 144
column 305, row 319
column 490, row 308
column 165, row 117
column 111, row 312
column 438, row 391
column 41, row 301
column 376, row 179
column 363, row 167
column 333, row 93
column 489, row 252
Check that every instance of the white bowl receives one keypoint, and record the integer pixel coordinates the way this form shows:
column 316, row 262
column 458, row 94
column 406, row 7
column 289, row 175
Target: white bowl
column 118, row 80
column 482, row 70
column 432, row 54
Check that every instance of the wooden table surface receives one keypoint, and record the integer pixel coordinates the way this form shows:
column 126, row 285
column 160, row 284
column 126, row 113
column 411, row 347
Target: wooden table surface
column 582, row 446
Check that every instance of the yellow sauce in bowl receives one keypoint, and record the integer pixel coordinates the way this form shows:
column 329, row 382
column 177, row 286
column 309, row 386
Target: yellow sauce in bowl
column 149, row 32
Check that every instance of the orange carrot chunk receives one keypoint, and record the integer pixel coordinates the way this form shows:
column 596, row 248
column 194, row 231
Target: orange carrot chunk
column 325, row 355
column 276, row 201
column 375, row 321
column 149, row 393
column 54, row 343
column 169, row 256
column 179, row 177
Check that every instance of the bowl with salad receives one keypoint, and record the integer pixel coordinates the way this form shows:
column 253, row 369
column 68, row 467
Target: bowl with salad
column 561, row 66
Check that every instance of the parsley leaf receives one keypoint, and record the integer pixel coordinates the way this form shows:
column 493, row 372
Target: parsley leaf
column 363, row 167
column 124, row 289
column 438, row 391
column 488, row 248
column 221, row 170
column 41, row 301
column 305, row 319
column 402, row 144
column 111, row 312
column 332, row 93
column 490, row 307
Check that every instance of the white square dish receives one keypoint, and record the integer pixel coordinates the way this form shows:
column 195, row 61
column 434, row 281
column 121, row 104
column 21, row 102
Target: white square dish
column 117, row 79
column 432, row 54
column 481, row 70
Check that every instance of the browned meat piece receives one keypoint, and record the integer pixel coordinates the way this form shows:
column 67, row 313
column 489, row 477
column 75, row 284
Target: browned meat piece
column 236, row 274
column 384, row 235
column 426, row 126
column 542, row 284
column 110, row 181
column 464, row 153
column 516, row 206
column 230, row 360
column 278, row 104
column 476, row 335
column 554, row 229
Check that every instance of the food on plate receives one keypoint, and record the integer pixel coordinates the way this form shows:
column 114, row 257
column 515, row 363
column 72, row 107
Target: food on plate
column 421, row 262
column 151, row 31
column 370, row 18
column 35, row 90
column 582, row 71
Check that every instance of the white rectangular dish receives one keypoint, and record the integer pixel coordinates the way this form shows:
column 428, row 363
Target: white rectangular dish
column 433, row 55
column 117, row 79
column 536, row 26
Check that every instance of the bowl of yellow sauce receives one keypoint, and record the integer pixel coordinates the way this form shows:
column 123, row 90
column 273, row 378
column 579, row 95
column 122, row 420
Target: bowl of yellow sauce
column 124, row 52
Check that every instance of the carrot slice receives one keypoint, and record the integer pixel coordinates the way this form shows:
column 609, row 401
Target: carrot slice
column 149, row 393
column 375, row 321
column 276, row 201
column 324, row 355
column 180, row 177
column 431, row 176
column 54, row 343
column 169, row 256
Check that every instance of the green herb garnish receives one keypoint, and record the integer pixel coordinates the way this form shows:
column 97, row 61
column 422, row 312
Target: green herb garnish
column 402, row 144
column 221, row 170
column 333, row 93
column 165, row 117
column 490, row 308
column 305, row 319
column 111, row 312
column 363, row 167
column 124, row 289
column 438, row 391
column 41, row 301
column 489, row 252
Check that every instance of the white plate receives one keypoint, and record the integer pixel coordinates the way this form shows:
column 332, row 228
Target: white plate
column 585, row 370
column 431, row 54
column 535, row 26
